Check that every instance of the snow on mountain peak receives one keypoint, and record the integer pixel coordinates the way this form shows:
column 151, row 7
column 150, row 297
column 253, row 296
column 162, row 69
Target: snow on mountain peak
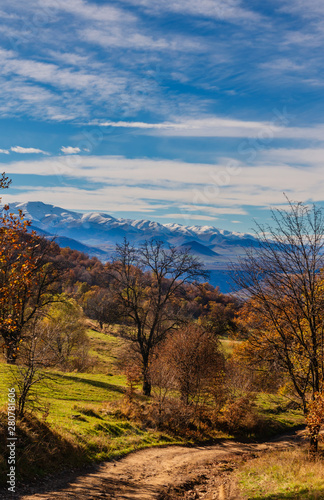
column 84, row 227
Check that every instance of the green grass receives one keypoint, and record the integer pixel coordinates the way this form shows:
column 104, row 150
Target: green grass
column 283, row 416
column 84, row 420
column 83, row 425
column 282, row 475
column 104, row 347
column 228, row 345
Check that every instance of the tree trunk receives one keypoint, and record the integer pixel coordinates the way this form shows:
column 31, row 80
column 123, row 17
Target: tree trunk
column 313, row 443
column 147, row 387
column 11, row 353
column 184, row 395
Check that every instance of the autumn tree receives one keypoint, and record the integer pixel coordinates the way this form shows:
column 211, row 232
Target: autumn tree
column 220, row 318
column 282, row 279
column 98, row 304
column 148, row 282
column 63, row 331
column 196, row 363
column 26, row 278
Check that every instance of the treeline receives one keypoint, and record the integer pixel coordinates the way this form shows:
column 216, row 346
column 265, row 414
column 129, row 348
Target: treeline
column 90, row 282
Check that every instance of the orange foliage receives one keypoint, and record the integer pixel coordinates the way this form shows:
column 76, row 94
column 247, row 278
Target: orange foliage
column 22, row 278
column 315, row 418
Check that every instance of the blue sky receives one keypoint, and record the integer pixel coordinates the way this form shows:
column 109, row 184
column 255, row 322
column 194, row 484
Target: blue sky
column 176, row 111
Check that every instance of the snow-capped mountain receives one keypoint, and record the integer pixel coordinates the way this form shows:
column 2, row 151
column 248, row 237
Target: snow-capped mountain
column 97, row 234
column 99, row 229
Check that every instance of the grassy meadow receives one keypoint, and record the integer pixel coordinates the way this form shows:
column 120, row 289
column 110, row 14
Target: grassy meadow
column 82, row 418
column 79, row 419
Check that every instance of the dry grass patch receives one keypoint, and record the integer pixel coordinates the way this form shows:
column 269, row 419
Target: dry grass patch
column 288, row 474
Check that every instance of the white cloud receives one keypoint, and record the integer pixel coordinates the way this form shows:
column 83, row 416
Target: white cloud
column 277, row 128
column 69, row 150
column 314, row 9
column 4, row 151
column 62, row 78
column 214, row 210
column 53, row 92
column 304, row 39
column 186, row 215
column 112, row 26
column 293, row 156
column 90, row 11
column 121, row 38
column 65, row 77
column 229, row 10
column 284, row 64
column 104, row 199
column 200, row 189
column 121, row 124
column 21, row 150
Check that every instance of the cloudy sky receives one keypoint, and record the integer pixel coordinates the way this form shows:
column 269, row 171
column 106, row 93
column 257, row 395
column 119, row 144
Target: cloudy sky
column 198, row 112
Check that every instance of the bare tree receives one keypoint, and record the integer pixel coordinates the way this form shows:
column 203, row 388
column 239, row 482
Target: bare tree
column 35, row 357
column 283, row 280
column 148, row 282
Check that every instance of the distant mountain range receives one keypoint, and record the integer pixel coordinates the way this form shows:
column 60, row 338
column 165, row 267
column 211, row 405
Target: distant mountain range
column 97, row 234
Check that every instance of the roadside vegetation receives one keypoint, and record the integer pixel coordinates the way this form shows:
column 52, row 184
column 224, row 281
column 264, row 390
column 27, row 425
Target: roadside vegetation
column 282, row 475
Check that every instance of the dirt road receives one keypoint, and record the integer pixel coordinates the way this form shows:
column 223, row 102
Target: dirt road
column 145, row 474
